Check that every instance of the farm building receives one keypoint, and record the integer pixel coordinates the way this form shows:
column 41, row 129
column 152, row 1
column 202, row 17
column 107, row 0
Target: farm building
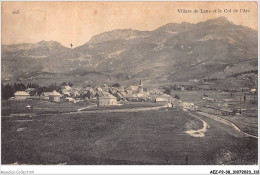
column 21, row 95
column 107, row 100
column 54, row 96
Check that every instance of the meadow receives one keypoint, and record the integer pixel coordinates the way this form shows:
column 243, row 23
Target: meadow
column 144, row 137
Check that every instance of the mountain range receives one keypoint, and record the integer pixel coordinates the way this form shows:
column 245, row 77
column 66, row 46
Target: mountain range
column 173, row 52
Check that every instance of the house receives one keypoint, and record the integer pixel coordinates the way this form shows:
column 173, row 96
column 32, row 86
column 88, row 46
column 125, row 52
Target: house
column 175, row 102
column 85, row 94
column 188, row 106
column 112, row 91
column 123, row 93
column 253, row 91
column 106, row 89
column 74, row 93
column 164, row 98
column 121, row 88
column 99, row 94
column 98, row 89
column 119, row 96
column 69, row 99
column 87, row 88
column 21, row 95
column 131, row 96
column 92, row 93
column 66, row 90
column 107, row 99
column 54, row 96
column 142, row 95
column 45, row 95
column 155, row 92
column 66, row 93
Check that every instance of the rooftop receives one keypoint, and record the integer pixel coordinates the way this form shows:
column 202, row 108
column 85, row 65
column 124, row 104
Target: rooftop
column 21, row 93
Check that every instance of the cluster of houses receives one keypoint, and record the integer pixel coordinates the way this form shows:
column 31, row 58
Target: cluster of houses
column 107, row 96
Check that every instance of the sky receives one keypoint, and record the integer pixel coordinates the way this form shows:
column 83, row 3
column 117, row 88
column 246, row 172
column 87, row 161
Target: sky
column 77, row 22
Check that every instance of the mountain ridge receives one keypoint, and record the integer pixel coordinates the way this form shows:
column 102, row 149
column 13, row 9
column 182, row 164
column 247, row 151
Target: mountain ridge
column 124, row 53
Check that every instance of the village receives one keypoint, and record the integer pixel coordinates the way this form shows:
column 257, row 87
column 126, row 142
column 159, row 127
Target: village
column 115, row 121
column 108, row 113
column 104, row 96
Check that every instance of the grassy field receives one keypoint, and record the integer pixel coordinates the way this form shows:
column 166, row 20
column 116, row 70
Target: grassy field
column 148, row 137
column 39, row 107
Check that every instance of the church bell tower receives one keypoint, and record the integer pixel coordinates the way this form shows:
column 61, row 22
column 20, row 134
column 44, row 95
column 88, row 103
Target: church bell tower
column 141, row 86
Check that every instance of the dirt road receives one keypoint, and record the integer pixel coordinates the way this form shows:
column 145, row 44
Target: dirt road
column 120, row 110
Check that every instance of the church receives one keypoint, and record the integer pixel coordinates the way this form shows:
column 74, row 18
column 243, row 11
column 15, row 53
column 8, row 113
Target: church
column 141, row 94
column 136, row 92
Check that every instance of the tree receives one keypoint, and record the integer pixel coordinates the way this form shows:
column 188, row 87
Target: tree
column 7, row 91
column 64, row 84
column 116, row 85
column 40, row 90
column 167, row 91
column 19, row 87
column 177, row 96
column 32, row 85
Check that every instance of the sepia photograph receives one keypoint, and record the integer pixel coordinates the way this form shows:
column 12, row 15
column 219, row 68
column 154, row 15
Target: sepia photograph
column 129, row 83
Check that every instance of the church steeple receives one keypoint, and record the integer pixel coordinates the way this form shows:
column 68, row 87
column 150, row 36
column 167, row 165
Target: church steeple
column 141, row 86
column 141, row 83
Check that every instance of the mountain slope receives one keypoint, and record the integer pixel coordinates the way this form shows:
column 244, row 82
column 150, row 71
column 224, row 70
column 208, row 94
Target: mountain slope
column 25, row 58
column 173, row 52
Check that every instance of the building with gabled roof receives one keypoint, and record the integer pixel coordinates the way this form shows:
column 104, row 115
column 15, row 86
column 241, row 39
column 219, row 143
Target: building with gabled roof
column 131, row 96
column 118, row 95
column 112, row 91
column 54, row 96
column 21, row 95
column 164, row 98
column 45, row 95
column 106, row 99
column 98, row 89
